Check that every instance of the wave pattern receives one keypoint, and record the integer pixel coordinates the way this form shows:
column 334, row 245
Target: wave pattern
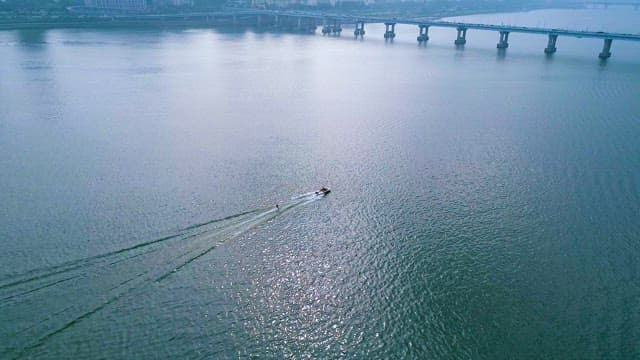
column 37, row 305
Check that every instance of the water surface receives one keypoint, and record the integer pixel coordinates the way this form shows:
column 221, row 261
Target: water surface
column 484, row 204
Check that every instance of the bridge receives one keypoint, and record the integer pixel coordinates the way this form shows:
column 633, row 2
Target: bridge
column 331, row 24
column 606, row 4
column 307, row 21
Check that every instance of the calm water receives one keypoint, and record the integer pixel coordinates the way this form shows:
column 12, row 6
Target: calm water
column 484, row 205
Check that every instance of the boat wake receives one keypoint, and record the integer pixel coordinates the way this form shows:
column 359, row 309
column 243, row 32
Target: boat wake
column 37, row 305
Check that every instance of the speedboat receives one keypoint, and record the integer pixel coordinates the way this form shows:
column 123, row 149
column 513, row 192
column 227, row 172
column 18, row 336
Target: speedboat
column 323, row 191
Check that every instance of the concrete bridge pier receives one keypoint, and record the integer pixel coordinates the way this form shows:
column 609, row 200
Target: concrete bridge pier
column 359, row 31
column 326, row 29
column 331, row 27
column 551, row 45
column 606, row 49
column 390, row 30
column 504, row 40
column 462, row 36
column 336, row 29
column 424, row 34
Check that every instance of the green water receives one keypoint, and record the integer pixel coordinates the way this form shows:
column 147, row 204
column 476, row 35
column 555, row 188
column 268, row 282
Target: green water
column 483, row 205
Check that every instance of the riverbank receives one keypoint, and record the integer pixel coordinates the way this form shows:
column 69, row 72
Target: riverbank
column 106, row 23
column 207, row 19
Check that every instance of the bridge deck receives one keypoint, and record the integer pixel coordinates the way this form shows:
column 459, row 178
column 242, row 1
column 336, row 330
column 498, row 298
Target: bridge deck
column 437, row 23
column 407, row 21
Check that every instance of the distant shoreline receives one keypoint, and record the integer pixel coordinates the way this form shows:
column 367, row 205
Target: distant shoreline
column 78, row 22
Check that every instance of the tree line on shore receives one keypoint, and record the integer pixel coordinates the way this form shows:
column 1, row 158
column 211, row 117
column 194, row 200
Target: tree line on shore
column 35, row 5
column 27, row 6
column 44, row 7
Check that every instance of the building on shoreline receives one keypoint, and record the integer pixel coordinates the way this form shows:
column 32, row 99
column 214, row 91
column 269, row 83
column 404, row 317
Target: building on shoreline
column 285, row 4
column 133, row 5
column 119, row 5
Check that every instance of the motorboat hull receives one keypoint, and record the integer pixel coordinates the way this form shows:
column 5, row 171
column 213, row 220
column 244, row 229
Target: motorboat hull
column 323, row 192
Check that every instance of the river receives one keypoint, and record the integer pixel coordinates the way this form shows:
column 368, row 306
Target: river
column 483, row 204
